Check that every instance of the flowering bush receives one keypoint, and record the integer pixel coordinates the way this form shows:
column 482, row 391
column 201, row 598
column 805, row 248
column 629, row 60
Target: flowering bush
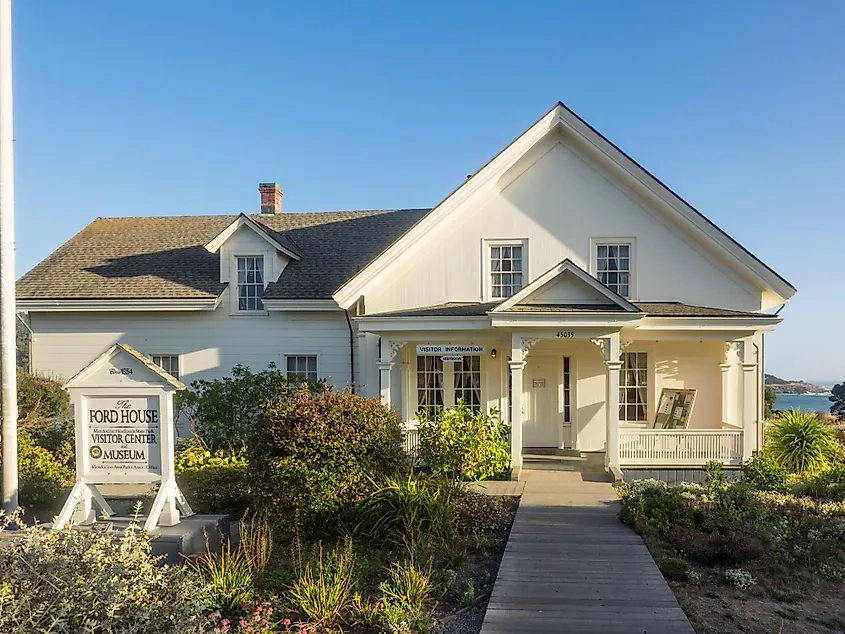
column 96, row 582
column 321, row 451
column 460, row 443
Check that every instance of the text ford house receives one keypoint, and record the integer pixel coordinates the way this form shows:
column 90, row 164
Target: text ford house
column 561, row 284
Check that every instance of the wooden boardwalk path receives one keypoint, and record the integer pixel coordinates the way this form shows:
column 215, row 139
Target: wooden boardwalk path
column 571, row 566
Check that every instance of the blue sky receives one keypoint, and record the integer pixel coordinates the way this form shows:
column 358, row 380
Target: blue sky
column 182, row 107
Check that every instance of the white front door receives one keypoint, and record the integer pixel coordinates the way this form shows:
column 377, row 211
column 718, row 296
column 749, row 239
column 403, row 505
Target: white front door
column 542, row 378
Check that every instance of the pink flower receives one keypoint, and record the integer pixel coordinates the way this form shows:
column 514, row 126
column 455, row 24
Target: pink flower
column 269, row 611
column 286, row 622
column 263, row 621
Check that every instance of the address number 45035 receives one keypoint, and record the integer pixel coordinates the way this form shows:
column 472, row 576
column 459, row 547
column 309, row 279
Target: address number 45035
column 565, row 334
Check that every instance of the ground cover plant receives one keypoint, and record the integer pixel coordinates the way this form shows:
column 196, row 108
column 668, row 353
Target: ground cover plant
column 763, row 554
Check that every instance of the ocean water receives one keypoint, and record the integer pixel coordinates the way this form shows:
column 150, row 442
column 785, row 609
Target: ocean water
column 803, row 402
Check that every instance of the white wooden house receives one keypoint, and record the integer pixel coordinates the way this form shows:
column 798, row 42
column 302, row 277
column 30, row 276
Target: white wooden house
column 561, row 284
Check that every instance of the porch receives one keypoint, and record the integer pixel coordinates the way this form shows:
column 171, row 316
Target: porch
column 574, row 398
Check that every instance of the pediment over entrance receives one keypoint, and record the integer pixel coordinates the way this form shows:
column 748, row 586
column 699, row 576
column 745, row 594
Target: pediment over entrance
column 567, row 284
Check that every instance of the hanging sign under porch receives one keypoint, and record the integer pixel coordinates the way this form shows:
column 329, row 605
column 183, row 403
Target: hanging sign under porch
column 438, row 349
column 123, row 411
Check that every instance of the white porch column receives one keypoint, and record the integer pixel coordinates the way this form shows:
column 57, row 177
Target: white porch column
column 726, row 387
column 611, row 352
column 360, row 386
column 516, row 368
column 407, row 414
column 389, row 349
column 749, row 396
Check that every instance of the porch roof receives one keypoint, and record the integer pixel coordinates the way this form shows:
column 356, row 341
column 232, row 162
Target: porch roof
column 648, row 309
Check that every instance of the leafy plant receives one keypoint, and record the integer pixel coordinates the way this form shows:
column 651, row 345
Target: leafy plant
column 408, row 596
column 477, row 513
column 43, row 476
column 467, row 596
column 366, row 613
column 226, row 576
column 95, row 581
column 461, row 443
column 325, row 589
column 40, row 398
column 410, row 508
column 319, row 452
column 213, row 480
column 480, row 541
column 740, row 579
column 764, row 473
column 225, row 411
column 801, row 442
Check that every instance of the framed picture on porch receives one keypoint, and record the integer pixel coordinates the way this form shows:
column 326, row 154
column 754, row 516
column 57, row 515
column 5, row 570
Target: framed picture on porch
column 674, row 409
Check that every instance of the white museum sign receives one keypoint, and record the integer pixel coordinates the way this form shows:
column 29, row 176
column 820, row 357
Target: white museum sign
column 123, row 411
column 448, row 349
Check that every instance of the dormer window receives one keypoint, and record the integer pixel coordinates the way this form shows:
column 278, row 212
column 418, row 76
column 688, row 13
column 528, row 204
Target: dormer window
column 250, row 283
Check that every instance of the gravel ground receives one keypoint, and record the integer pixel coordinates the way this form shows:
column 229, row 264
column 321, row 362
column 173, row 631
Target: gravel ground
column 467, row 623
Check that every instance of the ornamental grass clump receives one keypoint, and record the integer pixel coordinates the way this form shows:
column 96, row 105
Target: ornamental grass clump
column 801, row 443
column 98, row 582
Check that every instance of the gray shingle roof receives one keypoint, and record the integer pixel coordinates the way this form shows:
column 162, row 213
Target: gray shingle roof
column 165, row 257
column 651, row 309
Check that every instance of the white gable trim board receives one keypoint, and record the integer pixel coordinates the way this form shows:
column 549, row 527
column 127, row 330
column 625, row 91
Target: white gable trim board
column 419, row 325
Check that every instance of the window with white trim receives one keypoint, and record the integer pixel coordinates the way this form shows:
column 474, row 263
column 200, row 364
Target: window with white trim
column 567, row 390
column 613, row 267
column 167, row 362
column 468, row 381
column 506, row 270
column 633, row 387
column 429, row 385
column 250, row 283
column 302, row 368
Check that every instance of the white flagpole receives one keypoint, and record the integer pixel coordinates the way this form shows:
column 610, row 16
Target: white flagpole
column 8, row 360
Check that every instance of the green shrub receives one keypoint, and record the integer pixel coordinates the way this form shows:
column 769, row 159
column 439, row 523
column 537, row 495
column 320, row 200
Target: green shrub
column 40, row 398
column 324, row 591
column 410, row 508
column 213, row 481
column 461, row 443
column 226, row 576
column 319, row 452
column 656, row 503
column 764, row 473
column 42, row 476
column 477, row 513
column 801, row 442
column 96, row 581
column 224, row 412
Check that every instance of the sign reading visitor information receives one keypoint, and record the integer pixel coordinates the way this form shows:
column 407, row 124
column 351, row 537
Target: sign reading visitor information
column 448, row 349
column 125, row 433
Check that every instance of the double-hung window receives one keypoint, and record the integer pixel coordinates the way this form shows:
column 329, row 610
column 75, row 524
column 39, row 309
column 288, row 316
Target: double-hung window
column 613, row 267
column 633, row 387
column 463, row 379
column 302, row 367
column 168, row 362
column 506, row 270
column 250, row 283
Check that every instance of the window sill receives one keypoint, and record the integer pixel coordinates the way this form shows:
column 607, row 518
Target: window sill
column 250, row 314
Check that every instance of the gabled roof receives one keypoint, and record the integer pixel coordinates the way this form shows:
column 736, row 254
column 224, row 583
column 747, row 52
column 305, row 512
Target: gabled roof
column 165, row 258
column 645, row 309
column 561, row 117
column 564, row 267
column 278, row 241
column 117, row 349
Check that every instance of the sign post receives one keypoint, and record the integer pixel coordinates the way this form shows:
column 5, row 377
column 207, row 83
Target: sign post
column 123, row 410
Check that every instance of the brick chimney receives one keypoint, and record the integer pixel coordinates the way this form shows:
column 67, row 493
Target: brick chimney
column 271, row 198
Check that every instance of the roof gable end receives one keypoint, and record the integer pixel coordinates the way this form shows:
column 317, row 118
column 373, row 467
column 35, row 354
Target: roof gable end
column 280, row 243
column 566, row 283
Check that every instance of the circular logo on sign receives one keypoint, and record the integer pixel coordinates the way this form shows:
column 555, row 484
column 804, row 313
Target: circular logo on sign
column 96, row 452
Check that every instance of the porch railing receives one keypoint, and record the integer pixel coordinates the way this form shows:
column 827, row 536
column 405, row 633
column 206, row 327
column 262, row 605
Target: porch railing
column 682, row 447
column 412, row 441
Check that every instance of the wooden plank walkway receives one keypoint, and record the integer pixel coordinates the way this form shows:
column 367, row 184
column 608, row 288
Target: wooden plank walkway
column 571, row 566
